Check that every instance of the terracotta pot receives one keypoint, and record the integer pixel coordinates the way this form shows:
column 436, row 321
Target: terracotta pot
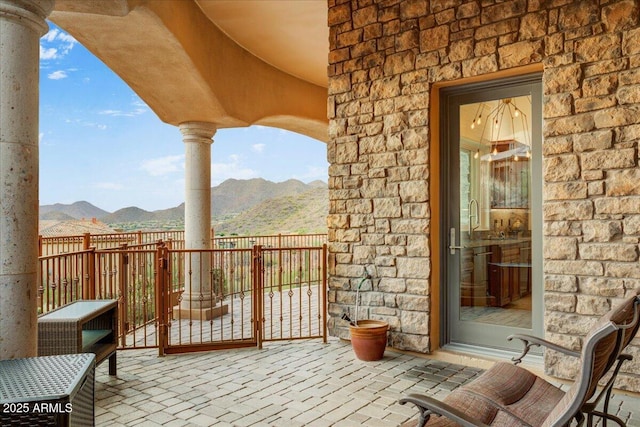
column 369, row 339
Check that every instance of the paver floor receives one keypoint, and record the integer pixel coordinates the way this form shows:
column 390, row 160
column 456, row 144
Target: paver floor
column 294, row 383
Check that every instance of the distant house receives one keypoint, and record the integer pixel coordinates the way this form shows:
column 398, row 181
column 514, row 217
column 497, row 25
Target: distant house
column 73, row 227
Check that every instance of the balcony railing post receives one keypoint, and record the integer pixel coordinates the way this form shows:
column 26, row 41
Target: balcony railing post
column 257, row 289
column 122, row 290
column 163, row 291
column 91, row 274
column 324, row 292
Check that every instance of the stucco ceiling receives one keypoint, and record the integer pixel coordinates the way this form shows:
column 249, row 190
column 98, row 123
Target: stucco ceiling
column 293, row 36
column 231, row 63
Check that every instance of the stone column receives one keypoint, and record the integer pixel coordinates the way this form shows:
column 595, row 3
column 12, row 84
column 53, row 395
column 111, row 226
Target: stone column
column 197, row 299
column 22, row 23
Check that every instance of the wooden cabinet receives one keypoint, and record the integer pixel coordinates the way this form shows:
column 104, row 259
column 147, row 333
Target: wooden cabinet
column 81, row 327
column 501, row 283
column 474, row 277
column 510, row 272
column 510, row 183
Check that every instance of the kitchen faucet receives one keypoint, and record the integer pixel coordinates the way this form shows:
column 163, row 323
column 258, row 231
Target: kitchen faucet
column 473, row 214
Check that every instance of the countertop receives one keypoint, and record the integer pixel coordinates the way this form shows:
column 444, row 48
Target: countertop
column 478, row 243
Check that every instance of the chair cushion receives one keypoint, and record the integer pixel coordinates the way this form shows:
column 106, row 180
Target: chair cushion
column 476, row 407
column 503, row 383
column 472, row 405
column 518, row 392
column 505, row 395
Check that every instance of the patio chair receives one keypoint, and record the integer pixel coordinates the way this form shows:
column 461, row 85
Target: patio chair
column 508, row 395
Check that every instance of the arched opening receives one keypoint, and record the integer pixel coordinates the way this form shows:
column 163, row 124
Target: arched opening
column 124, row 156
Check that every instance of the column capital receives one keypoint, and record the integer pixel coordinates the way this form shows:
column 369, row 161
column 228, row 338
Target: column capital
column 31, row 13
column 197, row 131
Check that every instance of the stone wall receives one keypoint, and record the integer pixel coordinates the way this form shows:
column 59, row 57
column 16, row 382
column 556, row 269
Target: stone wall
column 384, row 58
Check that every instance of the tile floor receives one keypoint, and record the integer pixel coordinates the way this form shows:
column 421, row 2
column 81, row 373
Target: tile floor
column 295, row 383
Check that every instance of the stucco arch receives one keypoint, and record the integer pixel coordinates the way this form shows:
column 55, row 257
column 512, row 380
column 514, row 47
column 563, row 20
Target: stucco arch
column 186, row 69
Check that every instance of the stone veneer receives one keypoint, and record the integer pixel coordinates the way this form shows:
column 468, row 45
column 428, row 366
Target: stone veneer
column 384, row 58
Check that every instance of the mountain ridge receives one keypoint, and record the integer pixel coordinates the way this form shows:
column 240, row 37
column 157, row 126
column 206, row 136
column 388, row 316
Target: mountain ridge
column 254, row 206
column 76, row 210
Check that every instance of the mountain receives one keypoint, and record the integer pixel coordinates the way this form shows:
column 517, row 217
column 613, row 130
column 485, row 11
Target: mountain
column 130, row 214
column 56, row 216
column 318, row 184
column 134, row 214
column 300, row 213
column 254, row 206
column 234, row 196
column 77, row 210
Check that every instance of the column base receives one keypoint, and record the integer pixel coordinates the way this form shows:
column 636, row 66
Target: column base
column 200, row 314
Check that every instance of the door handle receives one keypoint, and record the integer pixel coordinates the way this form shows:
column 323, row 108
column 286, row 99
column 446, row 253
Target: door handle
column 452, row 242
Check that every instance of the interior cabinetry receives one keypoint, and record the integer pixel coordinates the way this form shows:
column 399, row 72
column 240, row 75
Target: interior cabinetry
column 510, row 272
column 474, row 277
column 509, row 181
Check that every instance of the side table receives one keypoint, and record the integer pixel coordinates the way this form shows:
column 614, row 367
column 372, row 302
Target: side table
column 48, row 391
column 84, row 326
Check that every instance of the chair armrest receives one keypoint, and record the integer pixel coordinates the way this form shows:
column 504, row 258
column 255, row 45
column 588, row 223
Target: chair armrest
column 529, row 341
column 428, row 406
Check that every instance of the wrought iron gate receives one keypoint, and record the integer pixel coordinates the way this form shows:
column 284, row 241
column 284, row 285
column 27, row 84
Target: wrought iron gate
column 189, row 300
column 230, row 298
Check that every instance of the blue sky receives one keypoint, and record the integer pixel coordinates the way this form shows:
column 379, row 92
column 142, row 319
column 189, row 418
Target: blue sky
column 99, row 142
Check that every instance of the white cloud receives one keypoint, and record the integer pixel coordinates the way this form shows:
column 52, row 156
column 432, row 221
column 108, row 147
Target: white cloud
column 111, row 113
column 163, row 165
column 51, row 35
column 314, row 173
column 232, row 169
column 258, row 148
column 139, row 103
column 120, row 113
column 67, row 38
column 108, row 185
column 56, row 44
column 48, row 53
column 85, row 123
column 57, row 75
column 138, row 108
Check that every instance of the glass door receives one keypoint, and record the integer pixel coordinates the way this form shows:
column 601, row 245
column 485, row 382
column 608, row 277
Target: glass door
column 493, row 215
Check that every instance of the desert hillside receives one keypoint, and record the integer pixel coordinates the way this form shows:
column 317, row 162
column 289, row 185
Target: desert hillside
column 244, row 207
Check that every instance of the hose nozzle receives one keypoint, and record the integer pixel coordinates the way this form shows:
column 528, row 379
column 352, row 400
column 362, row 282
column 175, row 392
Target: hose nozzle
column 346, row 317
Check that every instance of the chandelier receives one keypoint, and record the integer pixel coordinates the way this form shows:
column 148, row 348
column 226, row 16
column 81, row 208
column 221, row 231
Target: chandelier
column 505, row 125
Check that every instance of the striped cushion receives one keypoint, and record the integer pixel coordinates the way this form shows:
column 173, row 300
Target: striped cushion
column 504, row 396
column 472, row 405
column 504, row 383
column 538, row 403
column 517, row 392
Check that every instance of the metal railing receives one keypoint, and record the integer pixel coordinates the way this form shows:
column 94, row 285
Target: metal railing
column 68, row 244
column 65, row 278
column 166, row 294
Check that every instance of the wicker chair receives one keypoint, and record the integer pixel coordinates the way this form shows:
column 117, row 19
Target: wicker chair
column 508, row 395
